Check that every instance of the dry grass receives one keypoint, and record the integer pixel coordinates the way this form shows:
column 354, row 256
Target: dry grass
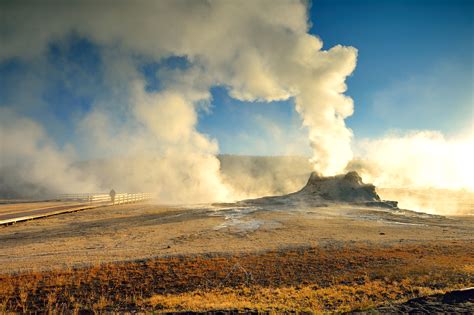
column 338, row 278
column 304, row 298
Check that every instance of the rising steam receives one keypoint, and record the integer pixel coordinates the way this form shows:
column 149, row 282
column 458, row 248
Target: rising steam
column 258, row 50
column 422, row 159
column 29, row 157
column 423, row 170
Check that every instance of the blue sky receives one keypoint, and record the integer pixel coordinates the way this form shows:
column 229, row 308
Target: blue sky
column 414, row 71
column 414, row 68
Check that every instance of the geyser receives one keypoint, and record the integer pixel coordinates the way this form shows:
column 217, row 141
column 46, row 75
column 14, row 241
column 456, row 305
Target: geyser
column 347, row 188
column 321, row 190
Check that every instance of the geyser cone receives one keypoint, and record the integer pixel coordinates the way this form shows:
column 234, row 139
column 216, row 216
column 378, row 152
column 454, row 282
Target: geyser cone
column 346, row 188
column 319, row 191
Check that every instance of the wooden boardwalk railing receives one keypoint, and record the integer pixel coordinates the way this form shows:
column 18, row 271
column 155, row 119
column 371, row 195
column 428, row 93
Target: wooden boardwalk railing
column 120, row 198
column 12, row 213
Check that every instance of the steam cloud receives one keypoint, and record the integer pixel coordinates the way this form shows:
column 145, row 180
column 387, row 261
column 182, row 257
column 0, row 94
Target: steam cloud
column 258, row 50
column 423, row 170
column 418, row 159
column 28, row 157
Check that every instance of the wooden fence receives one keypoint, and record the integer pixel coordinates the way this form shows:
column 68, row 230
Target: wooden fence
column 120, row 198
column 64, row 204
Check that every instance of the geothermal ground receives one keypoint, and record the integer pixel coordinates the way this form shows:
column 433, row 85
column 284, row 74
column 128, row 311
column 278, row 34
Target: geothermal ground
column 284, row 253
column 131, row 232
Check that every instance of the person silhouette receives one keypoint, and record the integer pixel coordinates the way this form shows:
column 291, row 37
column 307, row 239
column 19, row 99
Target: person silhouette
column 112, row 196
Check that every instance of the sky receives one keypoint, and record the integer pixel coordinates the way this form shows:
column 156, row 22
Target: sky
column 415, row 64
column 414, row 72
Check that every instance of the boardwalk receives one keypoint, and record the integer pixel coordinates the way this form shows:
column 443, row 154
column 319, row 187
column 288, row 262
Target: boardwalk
column 23, row 211
column 11, row 213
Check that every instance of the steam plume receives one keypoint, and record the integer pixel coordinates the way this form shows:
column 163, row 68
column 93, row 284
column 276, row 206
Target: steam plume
column 259, row 50
column 28, row 157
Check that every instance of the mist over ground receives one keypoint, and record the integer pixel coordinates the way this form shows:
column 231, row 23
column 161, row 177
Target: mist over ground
column 258, row 176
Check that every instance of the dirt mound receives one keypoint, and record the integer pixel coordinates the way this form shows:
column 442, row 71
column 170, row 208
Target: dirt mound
column 320, row 190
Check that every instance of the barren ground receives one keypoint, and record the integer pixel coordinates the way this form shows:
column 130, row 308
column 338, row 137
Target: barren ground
column 130, row 232
column 192, row 255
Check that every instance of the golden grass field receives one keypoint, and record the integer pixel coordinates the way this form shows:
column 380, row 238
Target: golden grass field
column 316, row 279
